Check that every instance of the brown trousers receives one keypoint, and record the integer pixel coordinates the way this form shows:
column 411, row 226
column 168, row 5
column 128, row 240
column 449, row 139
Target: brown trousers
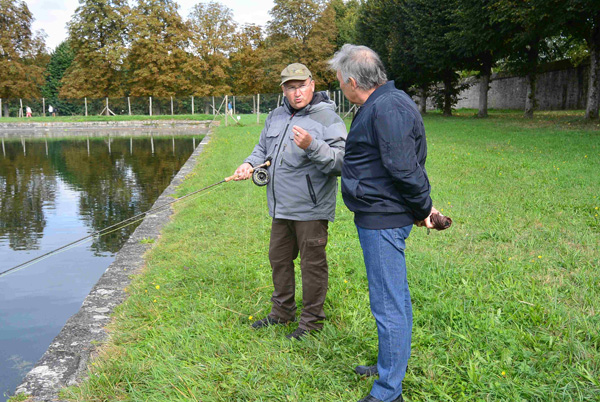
column 309, row 238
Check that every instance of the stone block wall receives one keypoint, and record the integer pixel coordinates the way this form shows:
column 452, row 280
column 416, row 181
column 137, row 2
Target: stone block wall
column 560, row 86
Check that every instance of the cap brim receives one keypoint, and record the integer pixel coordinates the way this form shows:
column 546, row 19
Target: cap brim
column 295, row 78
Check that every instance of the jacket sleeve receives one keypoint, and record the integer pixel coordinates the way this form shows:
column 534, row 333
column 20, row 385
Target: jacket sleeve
column 394, row 131
column 259, row 153
column 328, row 153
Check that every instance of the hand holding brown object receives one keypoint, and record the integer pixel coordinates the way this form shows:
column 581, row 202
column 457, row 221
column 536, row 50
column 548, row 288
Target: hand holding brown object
column 435, row 220
column 440, row 222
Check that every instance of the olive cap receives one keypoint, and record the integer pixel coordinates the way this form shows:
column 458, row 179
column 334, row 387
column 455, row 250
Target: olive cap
column 295, row 71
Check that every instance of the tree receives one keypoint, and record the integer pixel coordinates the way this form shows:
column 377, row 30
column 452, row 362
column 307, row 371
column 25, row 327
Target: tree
column 431, row 26
column 158, row 61
column 527, row 25
column 346, row 19
column 60, row 60
column 479, row 40
column 584, row 23
column 212, row 35
column 21, row 52
column 247, row 61
column 300, row 31
column 98, row 37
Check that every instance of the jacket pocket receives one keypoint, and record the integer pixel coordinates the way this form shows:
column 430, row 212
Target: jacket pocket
column 311, row 190
column 352, row 187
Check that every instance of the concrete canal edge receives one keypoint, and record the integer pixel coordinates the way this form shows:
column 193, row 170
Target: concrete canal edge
column 65, row 362
column 25, row 125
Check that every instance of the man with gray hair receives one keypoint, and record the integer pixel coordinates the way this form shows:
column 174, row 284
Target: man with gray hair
column 385, row 184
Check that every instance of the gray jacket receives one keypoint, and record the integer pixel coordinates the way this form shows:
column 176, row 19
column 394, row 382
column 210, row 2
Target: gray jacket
column 303, row 183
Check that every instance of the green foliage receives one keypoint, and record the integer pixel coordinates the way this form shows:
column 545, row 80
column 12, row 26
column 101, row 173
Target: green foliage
column 346, row 19
column 505, row 301
column 60, row 60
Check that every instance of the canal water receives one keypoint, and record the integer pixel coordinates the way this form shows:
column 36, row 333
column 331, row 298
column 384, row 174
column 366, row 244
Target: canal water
column 54, row 191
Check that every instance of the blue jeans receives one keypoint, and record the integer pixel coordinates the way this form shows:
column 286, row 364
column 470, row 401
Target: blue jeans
column 383, row 251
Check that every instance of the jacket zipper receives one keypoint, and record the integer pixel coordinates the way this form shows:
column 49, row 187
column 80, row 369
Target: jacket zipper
column 275, row 164
column 311, row 190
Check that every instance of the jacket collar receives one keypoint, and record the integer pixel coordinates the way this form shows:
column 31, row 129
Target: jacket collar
column 385, row 88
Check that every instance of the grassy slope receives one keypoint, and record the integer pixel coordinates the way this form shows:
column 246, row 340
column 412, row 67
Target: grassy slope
column 505, row 302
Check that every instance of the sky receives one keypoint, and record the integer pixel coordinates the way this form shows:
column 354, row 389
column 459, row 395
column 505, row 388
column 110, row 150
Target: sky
column 53, row 15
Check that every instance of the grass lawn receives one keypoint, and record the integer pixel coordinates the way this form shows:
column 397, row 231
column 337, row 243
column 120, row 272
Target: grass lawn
column 506, row 302
column 77, row 119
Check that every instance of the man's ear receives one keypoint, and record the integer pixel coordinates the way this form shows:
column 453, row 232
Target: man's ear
column 352, row 83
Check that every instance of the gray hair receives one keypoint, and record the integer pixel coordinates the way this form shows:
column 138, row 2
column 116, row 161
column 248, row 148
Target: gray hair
column 360, row 63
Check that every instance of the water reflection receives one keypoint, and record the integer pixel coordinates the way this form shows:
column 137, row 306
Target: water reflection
column 116, row 178
column 54, row 191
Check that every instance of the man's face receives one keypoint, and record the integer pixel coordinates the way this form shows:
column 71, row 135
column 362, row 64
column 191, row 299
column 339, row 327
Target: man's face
column 299, row 93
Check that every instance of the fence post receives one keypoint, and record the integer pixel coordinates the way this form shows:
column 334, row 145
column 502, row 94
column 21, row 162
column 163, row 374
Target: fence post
column 1, row 110
column 226, row 110
column 107, row 109
column 21, row 107
column 257, row 108
column 192, row 105
column 213, row 99
column 129, row 105
column 43, row 106
column 171, row 106
column 85, row 101
column 234, row 104
column 150, row 106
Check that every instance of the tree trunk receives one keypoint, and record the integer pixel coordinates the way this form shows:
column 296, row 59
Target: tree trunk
column 532, row 59
column 593, row 100
column 530, row 102
column 423, row 99
column 5, row 105
column 447, row 97
column 484, row 87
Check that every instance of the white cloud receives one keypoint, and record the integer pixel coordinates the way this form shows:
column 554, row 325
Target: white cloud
column 52, row 15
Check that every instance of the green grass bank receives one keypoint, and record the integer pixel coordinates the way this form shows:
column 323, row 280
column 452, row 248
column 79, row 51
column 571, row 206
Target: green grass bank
column 506, row 302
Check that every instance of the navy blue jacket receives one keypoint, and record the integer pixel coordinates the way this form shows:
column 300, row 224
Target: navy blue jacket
column 384, row 181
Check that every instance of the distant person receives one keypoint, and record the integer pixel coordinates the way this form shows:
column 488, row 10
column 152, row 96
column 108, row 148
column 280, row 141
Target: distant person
column 51, row 110
column 305, row 140
column 230, row 109
column 28, row 111
column 385, row 184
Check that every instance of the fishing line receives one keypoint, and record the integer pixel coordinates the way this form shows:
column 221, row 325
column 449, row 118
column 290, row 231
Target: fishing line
column 124, row 223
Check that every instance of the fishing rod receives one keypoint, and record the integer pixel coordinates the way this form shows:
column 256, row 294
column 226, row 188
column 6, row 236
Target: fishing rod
column 260, row 177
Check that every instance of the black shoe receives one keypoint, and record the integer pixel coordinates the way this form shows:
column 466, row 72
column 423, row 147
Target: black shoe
column 265, row 322
column 370, row 398
column 367, row 371
column 299, row 334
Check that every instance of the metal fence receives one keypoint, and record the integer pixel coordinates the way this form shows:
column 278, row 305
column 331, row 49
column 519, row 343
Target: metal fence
column 153, row 106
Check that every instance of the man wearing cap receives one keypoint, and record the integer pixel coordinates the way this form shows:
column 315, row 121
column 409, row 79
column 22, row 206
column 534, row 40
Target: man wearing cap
column 305, row 139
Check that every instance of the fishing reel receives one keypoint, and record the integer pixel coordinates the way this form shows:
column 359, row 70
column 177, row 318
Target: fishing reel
column 260, row 177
